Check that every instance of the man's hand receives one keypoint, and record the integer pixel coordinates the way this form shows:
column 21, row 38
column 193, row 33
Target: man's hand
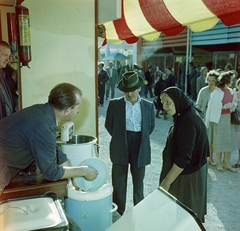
column 87, row 172
column 90, row 173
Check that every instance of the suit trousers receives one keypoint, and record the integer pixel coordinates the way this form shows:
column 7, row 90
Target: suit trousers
column 101, row 93
column 110, row 84
column 120, row 174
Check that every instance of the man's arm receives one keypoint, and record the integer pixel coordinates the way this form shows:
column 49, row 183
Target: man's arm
column 87, row 172
column 152, row 119
column 106, row 77
column 109, row 118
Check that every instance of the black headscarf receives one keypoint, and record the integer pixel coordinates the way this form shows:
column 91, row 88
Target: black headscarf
column 181, row 101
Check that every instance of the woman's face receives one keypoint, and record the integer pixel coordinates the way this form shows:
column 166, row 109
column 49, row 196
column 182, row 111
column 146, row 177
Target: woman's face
column 211, row 81
column 168, row 105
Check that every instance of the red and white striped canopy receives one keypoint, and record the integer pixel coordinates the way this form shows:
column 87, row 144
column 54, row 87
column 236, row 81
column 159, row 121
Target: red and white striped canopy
column 148, row 18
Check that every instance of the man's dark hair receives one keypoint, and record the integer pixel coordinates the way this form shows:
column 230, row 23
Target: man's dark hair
column 63, row 96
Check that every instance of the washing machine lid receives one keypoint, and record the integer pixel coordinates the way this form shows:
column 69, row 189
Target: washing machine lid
column 101, row 179
column 29, row 214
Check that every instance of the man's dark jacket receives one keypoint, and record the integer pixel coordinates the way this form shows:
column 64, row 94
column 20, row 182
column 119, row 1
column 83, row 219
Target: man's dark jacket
column 116, row 126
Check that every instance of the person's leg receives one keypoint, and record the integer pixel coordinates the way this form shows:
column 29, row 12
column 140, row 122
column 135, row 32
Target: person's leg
column 146, row 90
column 226, row 162
column 101, row 95
column 134, row 140
column 119, row 182
column 107, row 89
column 112, row 90
column 219, row 164
column 138, row 187
column 237, row 165
column 210, row 159
column 151, row 92
column 194, row 92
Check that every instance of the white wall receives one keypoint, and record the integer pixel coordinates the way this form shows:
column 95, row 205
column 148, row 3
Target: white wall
column 63, row 50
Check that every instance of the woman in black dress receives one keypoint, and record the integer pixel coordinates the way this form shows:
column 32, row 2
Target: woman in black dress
column 184, row 170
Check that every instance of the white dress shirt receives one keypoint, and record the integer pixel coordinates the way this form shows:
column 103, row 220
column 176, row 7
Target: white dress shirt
column 133, row 115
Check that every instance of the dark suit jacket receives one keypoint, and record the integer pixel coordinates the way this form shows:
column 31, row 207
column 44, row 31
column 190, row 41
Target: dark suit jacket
column 116, row 126
column 102, row 77
column 114, row 74
column 148, row 77
column 171, row 80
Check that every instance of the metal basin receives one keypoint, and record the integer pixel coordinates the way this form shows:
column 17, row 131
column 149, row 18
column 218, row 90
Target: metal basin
column 80, row 139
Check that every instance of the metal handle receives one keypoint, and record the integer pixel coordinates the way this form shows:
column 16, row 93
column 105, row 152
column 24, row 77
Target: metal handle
column 115, row 207
column 96, row 146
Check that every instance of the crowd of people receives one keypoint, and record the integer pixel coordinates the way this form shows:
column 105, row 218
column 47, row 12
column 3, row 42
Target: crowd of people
column 154, row 82
column 201, row 131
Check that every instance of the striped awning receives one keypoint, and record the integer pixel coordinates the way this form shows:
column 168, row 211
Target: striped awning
column 148, row 18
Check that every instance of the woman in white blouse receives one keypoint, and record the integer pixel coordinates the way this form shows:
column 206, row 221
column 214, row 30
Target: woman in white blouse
column 202, row 102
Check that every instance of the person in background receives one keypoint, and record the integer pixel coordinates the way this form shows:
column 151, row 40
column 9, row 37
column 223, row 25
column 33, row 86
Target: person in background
column 184, row 169
column 229, row 67
column 7, row 104
column 159, row 87
column 149, row 78
column 157, row 74
column 102, row 79
column 130, row 121
column 111, row 83
column 119, row 70
column 170, row 78
column 124, row 69
column 183, row 76
column 193, row 74
column 29, row 135
column 220, row 106
column 138, row 69
column 237, row 127
column 202, row 103
column 12, row 82
column 201, row 80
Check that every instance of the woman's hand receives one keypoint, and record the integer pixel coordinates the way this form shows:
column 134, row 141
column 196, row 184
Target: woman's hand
column 165, row 185
column 171, row 177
